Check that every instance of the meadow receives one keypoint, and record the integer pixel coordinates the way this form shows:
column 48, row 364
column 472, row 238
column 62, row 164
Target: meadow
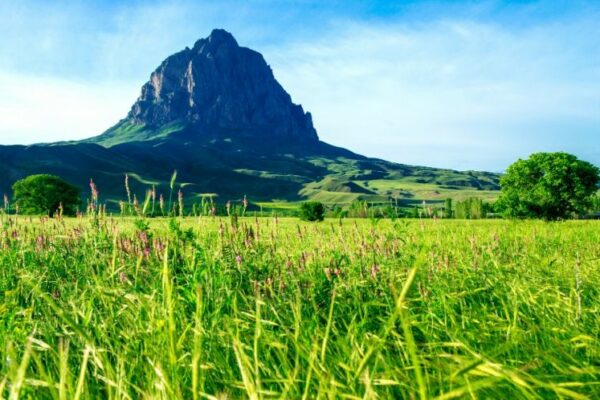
column 224, row 308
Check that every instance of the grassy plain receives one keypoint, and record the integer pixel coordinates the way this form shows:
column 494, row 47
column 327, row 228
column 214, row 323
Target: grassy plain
column 276, row 308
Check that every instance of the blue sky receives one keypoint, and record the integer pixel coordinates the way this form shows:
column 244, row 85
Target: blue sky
column 465, row 85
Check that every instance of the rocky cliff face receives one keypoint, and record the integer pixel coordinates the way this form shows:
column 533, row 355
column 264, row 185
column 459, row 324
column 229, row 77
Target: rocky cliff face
column 219, row 85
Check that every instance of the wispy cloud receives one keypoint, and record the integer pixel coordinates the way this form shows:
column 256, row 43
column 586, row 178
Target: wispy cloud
column 449, row 91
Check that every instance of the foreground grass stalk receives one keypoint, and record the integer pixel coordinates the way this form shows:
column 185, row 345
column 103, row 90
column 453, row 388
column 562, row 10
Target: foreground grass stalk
column 328, row 327
column 389, row 325
column 18, row 381
column 169, row 305
column 311, row 367
column 197, row 353
column 412, row 350
column 242, row 360
column 257, row 334
column 63, row 384
column 82, row 371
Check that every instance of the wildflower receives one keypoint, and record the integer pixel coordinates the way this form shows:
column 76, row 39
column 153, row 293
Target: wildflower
column 374, row 270
column 158, row 246
column 127, row 246
column 143, row 236
column 303, row 259
column 423, row 291
column 127, row 188
column 40, row 241
column 161, row 203
column 136, row 205
column 238, row 259
column 123, row 277
column 180, row 198
column 94, row 191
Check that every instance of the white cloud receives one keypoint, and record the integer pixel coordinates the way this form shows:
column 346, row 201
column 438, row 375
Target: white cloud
column 37, row 109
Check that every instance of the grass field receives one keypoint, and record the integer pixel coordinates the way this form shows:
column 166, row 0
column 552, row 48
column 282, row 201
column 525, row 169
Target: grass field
column 276, row 308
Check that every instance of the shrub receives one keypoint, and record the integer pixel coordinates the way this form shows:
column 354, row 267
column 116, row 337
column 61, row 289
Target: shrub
column 46, row 194
column 312, row 211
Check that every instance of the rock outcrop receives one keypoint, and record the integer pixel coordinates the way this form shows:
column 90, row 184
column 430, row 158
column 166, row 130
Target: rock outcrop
column 219, row 85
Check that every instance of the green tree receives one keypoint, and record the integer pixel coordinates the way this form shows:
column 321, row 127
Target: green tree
column 312, row 211
column 549, row 186
column 358, row 209
column 448, row 212
column 595, row 207
column 46, row 194
column 471, row 208
column 476, row 208
column 415, row 212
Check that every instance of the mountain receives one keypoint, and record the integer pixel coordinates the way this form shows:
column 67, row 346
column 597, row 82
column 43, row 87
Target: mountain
column 217, row 115
column 217, row 87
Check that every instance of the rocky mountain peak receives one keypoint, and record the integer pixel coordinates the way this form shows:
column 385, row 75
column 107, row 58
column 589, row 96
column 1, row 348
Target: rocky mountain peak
column 221, row 36
column 218, row 85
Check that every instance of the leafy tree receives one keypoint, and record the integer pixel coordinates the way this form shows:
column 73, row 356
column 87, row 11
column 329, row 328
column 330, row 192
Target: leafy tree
column 549, row 186
column 448, row 212
column 312, row 211
column 358, row 209
column 472, row 208
column 46, row 194
column 389, row 211
column 595, row 207
column 415, row 212
column 338, row 212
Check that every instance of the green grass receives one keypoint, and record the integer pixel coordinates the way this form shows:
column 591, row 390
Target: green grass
column 407, row 188
column 276, row 308
column 126, row 131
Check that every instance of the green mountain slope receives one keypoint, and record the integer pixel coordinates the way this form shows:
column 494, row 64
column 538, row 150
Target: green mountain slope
column 235, row 166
